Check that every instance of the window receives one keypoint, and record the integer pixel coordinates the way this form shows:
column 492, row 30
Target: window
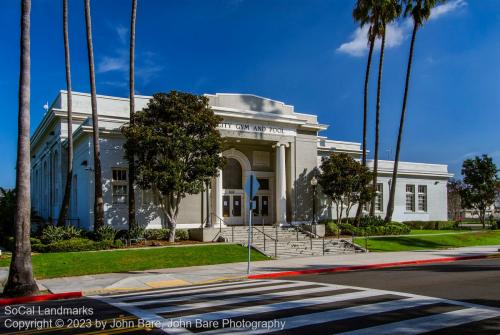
column 410, row 198
column 120, row 186
column 422, row 198
column 379, row 197
column 232, row 175
column 263, row 184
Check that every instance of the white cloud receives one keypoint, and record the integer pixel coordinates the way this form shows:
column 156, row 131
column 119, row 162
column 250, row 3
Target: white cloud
column 446, row 8
column 396, row 32
column 108, row 64
column 122, row 32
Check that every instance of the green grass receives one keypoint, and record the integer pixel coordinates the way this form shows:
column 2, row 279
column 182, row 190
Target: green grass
column 65, row 264
column 434, row 231
column 405, row 243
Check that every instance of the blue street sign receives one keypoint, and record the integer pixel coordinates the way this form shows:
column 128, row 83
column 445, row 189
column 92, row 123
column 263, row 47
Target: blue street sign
column 251, row 187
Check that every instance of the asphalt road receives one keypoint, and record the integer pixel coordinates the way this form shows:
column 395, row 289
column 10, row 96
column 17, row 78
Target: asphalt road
column 453, row 298
column 473, row 281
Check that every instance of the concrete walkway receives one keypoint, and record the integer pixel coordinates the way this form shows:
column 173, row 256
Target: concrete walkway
column 140, row 280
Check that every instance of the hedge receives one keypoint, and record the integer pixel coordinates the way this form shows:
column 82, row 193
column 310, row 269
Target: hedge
column 432, row 225
column 76, row 244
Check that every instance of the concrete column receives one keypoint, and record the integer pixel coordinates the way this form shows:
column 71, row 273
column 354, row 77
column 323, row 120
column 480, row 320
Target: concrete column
column 218, row 199
column 280, row 184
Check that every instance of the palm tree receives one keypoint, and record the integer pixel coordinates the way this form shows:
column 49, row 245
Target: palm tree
column 363, row 13
column 131, row 163
column 98, row 201
column 69, row 174
column 21, row 281
column 389, row 10
column 420, row 11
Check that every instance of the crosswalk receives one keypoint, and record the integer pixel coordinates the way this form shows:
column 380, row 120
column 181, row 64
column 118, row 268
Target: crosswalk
column 297, row 307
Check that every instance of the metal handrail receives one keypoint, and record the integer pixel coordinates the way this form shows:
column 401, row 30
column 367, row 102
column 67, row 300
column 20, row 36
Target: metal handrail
column 311, row 234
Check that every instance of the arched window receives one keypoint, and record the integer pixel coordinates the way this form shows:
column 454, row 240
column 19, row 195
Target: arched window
column 232, row 175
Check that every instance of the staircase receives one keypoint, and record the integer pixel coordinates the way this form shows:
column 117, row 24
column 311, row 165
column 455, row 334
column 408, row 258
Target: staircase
column 286, row 242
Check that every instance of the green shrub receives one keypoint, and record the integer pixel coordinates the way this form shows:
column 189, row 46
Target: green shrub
column 432, row 225
column 75, row 244
column 331, row 228
column 105, row 233
column 8, row 242
column 181, row 235
column 393, row 228
column 156, row 234
column 51, row 234
column 118, row 244
column 122, row 235
column 136, row 232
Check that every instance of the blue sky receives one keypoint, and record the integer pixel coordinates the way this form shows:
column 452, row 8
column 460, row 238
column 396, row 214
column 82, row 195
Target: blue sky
column 306, row 53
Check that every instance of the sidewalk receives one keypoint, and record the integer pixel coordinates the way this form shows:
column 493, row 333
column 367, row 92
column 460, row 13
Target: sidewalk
column 140, row 280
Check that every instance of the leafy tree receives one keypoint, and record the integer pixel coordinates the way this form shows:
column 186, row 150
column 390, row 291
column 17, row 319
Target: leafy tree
column 420, row 11
column 480, row 181
column 177, row 149
column 131, row 166
column 98, row 200
column 69, row 173
column 20, row 281
column 345, row 182
column 454, row 199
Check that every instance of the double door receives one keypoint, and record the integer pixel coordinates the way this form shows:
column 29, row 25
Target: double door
column 232, row 208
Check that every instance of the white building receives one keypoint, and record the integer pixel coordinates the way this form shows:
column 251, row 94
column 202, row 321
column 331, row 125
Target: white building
column 267, row 138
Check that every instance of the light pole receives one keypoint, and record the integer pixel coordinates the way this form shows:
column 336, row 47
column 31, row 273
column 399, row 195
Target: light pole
column 314, row 184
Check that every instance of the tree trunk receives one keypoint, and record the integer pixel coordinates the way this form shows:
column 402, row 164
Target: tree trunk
column 21, row 281
column 377, row 124
column 131, row 163
column 98, row 201
column 390, row 205
column 69, row 175
column 365, row 114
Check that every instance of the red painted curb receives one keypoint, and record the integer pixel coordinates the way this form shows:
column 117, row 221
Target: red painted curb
column 367, row 267
column 43, row 297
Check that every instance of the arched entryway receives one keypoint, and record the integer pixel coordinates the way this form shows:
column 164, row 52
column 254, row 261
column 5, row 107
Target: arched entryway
column 234, row 175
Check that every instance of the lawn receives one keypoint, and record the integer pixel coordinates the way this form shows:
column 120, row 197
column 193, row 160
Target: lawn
column 434, row 231
column 63, row 264
column 422, row 242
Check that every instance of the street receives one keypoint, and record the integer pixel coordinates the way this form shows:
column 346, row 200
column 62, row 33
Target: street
column 452, row 298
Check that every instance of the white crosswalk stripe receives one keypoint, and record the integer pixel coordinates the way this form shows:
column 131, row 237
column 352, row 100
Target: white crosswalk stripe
column 293, row 305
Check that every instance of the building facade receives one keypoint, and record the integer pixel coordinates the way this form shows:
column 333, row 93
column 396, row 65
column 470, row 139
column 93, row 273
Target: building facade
column 265, row 138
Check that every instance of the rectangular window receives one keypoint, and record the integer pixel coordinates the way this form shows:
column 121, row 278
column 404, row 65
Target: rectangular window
column 422, row 198
column 410, row 198
column 263, row 183
column 120, row 186
column 379, row 198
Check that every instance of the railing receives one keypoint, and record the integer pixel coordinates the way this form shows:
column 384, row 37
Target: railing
column 298, row 228
column 264, row 235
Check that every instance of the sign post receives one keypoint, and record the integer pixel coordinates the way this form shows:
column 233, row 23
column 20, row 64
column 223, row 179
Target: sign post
column 251, row 188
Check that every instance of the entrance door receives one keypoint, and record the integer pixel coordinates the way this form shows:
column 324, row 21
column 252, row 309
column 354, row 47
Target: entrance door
column 232, row 208
column 261, row 211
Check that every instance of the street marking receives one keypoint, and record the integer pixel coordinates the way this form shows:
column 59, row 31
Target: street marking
column 186, row 290
column 429, row 323
column 337, row 314
column 287, row 288
column 217, row 294
column 237, row 300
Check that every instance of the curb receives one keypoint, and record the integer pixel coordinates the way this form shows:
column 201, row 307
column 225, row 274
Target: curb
column 369, row 266
column 43, row 297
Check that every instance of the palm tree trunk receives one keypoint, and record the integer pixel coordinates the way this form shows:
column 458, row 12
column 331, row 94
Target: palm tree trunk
column 131, row 163
column 21, row 281
column 98, row 201
column 365, row 114
column 365, row 98
column 69, row 175
column 390, row 205
column 377, row 123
